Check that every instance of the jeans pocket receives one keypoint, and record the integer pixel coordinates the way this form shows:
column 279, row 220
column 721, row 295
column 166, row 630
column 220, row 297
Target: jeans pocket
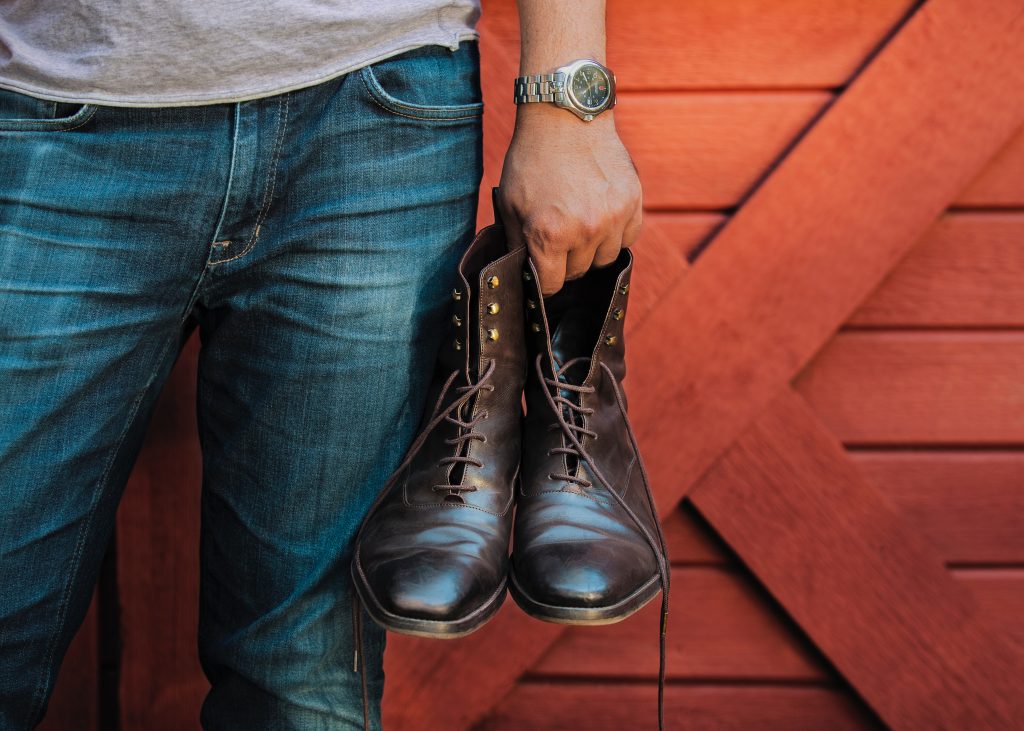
column 429, row 83
column 25, row 113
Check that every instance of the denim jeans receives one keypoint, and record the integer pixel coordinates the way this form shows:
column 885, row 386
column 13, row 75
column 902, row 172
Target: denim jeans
column 312, row 237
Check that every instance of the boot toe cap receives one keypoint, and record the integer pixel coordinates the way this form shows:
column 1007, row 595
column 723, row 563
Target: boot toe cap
column 588, row 574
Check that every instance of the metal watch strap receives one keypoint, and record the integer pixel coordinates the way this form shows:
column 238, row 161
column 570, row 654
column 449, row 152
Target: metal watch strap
column 540, row 88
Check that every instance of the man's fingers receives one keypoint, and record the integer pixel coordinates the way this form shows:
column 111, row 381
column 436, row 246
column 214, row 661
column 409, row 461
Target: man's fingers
column 551, row 271
column 632, row 231
column 608, row 251
column 578, row 262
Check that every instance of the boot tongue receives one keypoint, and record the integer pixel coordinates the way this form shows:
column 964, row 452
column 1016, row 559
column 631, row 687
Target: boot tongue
column 571, row 339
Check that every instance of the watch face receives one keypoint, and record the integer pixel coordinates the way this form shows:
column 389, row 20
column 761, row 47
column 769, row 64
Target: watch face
column 590, row 86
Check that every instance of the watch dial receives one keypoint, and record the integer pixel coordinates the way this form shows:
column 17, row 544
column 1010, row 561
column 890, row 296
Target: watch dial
column 590, row 86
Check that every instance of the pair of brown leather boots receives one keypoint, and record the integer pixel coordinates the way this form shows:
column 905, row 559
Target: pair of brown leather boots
column 432, row 556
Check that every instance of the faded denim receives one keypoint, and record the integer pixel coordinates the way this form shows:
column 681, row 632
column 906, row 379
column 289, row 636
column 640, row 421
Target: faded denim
column 312, row 237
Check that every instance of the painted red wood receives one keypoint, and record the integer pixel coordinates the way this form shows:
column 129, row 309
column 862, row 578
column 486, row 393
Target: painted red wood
column 161, row 683
column 619, row 706
column 871, row 593
column 723, row 628
column 728, row 630
column 75, row 703
column 920, row 387
column 708, row 150
column 1001, row 183
column 967, row 271
column 756, row 312
column 969, row 503
column 823, row 230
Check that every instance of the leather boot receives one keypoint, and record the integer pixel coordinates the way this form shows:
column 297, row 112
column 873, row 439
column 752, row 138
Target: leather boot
column 587, row 546
column 431, row 557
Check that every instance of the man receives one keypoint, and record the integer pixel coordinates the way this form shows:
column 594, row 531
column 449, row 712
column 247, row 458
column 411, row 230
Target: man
column 298, row 179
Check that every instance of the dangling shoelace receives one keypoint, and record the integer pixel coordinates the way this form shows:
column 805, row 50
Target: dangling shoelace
column 438, row 415
column 657, row 543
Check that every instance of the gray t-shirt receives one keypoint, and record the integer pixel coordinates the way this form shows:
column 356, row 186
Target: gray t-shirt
column 181, row 52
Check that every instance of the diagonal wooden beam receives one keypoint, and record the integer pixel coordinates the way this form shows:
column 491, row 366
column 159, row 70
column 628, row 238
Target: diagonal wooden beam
column 873, row 595
column 818, row 236
column 804, row 251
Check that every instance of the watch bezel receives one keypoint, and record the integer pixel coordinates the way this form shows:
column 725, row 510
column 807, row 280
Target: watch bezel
column 574, row 103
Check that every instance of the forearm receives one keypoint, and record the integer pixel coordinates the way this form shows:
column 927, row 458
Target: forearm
column 554, row 31
column 551, row 33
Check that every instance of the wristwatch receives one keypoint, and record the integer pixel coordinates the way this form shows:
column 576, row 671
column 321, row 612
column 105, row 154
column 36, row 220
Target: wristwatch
column 584, row 87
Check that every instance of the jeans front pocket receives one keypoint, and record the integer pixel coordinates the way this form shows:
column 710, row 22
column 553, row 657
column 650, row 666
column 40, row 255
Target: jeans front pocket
column 429, row 83
column 25, row 113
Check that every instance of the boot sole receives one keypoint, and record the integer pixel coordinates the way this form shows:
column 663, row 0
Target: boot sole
column 430, row 628
column 586, row 615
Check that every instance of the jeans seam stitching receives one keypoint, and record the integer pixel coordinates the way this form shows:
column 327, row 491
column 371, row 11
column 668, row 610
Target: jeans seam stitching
column 271, row 183
column 425, row 117
column 46, row 678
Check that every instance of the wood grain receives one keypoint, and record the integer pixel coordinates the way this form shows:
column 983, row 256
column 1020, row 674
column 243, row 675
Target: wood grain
column 820, row 234
column 871, row 593
column 709, row 150
column 966, row 271
column 725, row 628
column 920, row 387
column 619, row 706
column 1001, row 183
column 162, row 684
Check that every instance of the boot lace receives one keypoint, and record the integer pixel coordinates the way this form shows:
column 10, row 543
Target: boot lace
column 656, row 541
column 572, row 416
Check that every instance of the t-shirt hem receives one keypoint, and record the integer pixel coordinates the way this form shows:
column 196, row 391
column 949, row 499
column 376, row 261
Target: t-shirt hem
column 237, row 95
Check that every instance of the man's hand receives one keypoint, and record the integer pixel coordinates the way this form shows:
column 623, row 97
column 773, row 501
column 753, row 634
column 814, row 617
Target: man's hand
column 569, row 191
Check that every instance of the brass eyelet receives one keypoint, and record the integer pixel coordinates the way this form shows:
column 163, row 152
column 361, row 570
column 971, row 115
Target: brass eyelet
column 456, row 320
column 493, row 281
column 530, row 304
column 527, row 276
column 535, row 327
column 456, row 295
column 457, row 344
column 493, row 308
column 611, row 340
column 624, row 288
column 492, row 333
column 617, row 315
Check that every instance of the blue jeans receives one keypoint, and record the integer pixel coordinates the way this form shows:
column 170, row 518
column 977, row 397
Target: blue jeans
column 313, row 238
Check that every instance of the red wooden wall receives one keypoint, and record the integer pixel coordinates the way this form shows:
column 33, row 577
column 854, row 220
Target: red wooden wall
column 835, row 385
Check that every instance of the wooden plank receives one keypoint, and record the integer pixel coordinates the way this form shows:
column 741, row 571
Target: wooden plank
column 967, row 271
column 75, row 702
column 482, row 665
column 852, row 197
column 821, row 233
column 704, row 44
column 871, row 593
column 1000, row 593
column 614, row 707
column 730, row 630
column 1001, row 183
column 727, row 629
column 913, row 387
column 161, row 683
column 970, row 504
column 708, row 150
